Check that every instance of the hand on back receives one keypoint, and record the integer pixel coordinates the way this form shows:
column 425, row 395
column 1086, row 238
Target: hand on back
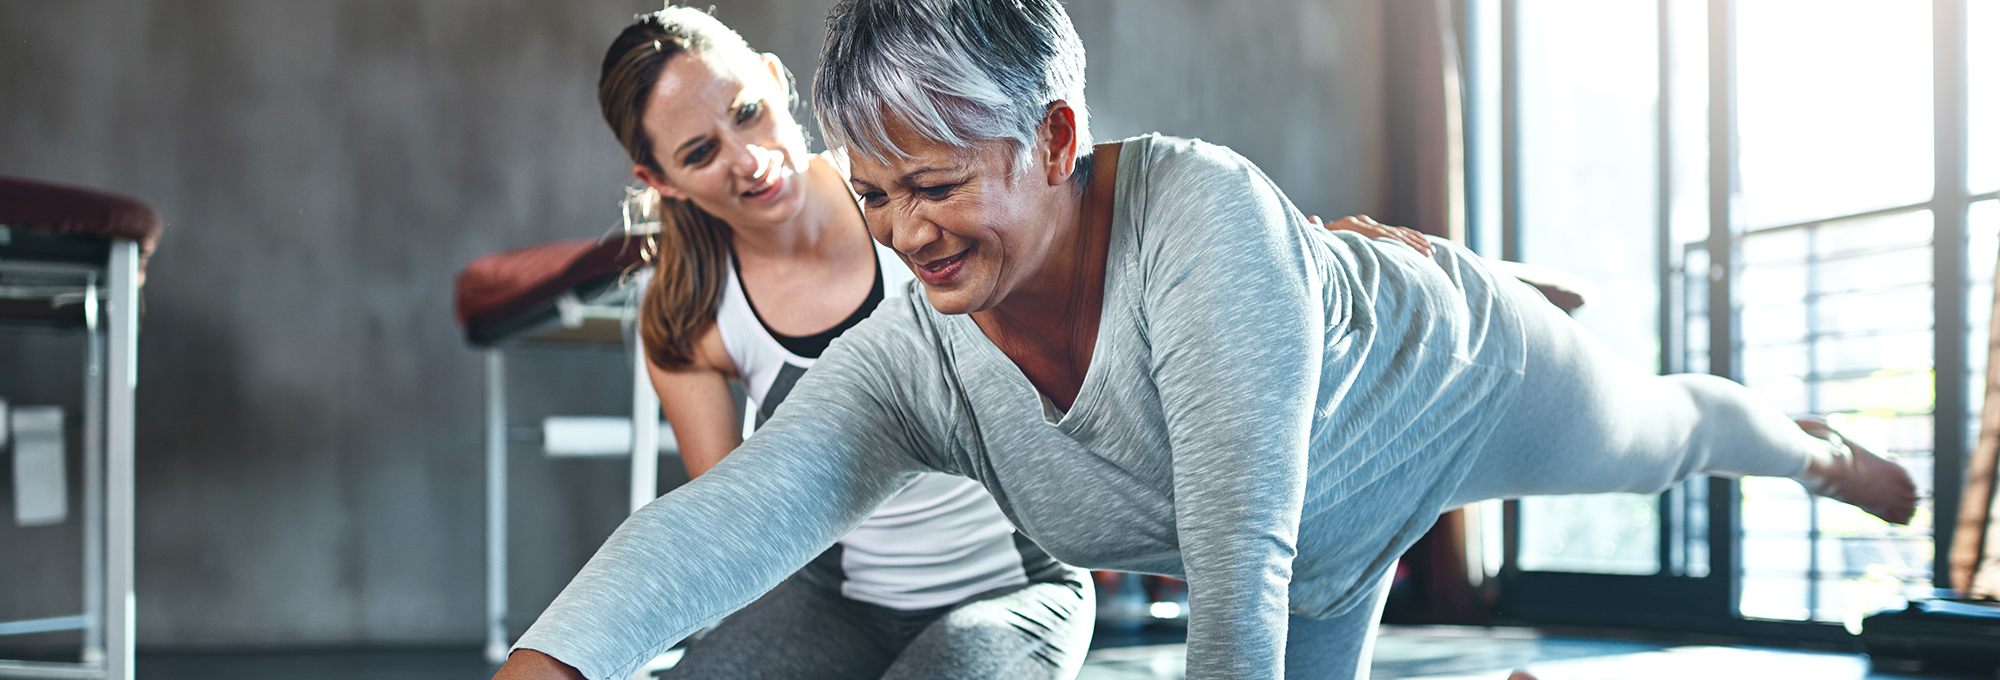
column 1367, row 226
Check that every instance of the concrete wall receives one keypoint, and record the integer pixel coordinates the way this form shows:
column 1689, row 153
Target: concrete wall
column 309, row 420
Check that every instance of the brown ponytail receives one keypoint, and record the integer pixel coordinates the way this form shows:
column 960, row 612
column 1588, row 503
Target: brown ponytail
column 690, row 257
column 691, row 251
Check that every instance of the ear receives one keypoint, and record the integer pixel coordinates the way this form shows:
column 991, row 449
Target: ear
column 1056, row 142
column 779, row 75
column 657, row 182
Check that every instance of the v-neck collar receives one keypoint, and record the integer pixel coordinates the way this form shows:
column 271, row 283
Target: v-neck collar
column 1130, row 153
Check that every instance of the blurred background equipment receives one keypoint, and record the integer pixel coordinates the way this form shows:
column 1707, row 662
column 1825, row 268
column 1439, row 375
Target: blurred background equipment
column 73, row 257
column 574, row 294
column 41, row 485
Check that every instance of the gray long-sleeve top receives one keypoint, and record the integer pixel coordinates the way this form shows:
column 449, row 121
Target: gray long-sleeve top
column 1272, row 411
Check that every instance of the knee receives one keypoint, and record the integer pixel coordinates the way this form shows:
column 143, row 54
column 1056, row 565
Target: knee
column 1706, row 391
column 1734, row 428
column 1723, row 407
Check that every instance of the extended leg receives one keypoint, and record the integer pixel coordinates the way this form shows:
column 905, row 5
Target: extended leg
column 1584, row 421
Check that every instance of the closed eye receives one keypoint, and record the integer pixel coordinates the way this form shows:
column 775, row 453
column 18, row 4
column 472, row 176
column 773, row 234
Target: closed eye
column 936, row 191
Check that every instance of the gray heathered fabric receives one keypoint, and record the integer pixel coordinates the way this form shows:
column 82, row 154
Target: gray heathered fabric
column 1030, row 631
column 1272, row 411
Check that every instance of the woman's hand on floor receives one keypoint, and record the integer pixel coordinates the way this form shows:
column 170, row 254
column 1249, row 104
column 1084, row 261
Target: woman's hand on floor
column 1367, row 226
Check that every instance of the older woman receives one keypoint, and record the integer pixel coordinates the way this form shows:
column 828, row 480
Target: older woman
column 1153, row 363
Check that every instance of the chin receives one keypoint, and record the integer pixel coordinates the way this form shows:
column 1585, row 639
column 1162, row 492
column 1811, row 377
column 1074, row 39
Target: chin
column 951, row 302
column 786, row 206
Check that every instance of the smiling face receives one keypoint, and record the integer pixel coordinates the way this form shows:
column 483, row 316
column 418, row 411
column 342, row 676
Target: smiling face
column 975, row 223
column 724, row 139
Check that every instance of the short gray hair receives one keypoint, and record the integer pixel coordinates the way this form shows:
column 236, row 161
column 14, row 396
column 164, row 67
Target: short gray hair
column 956, row 71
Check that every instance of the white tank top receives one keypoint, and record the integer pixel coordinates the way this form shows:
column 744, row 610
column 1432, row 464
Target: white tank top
column 939, row 541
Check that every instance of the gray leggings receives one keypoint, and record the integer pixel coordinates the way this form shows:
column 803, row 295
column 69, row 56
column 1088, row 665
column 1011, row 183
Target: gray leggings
column 799, row 631
column 1583, row 421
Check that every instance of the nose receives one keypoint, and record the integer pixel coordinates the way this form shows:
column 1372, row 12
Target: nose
column 904, row 229
column 760, row 160
column 749, row 159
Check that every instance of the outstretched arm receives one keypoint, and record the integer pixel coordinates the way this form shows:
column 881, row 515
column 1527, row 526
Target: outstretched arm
column 821, row 465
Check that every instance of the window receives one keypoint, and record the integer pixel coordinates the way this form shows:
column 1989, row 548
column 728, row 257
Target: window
column 1849, row 195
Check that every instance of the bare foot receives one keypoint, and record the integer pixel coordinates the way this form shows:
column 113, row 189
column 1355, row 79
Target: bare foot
column 1856, row 476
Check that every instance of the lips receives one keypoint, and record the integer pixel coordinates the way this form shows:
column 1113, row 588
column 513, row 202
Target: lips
column 943, row 270
column 766, row 190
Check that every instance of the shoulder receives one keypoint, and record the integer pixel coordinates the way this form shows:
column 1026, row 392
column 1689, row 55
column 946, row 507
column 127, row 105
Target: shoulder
column 711, row 355
column 1190, row 182
column 834, row 159
column 903, row 348
column 1167, row 164
column 1182, row 194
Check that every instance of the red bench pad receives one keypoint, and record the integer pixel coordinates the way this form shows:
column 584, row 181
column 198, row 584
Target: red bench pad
column 495, row 288
column 72, row 210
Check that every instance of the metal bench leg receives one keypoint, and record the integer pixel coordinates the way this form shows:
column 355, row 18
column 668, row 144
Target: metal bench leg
column 121, row 379
column 645, row 426
column 497, row 641
column 93, row 479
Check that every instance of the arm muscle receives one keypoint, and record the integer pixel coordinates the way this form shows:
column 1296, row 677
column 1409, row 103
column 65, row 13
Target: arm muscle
column 696, row 401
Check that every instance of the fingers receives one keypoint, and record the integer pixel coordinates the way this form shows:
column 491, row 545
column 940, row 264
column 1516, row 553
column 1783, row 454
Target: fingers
column 1367, row 226
column 1410, row 237
column 1416, row 240
column 1368, row 229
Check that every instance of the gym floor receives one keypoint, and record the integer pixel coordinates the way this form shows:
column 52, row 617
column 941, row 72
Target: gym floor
column 1429, row 652
column 1471, row 653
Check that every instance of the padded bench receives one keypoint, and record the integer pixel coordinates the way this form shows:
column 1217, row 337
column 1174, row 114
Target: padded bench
column 563, row 292
column 72, row 257
column 523, row 293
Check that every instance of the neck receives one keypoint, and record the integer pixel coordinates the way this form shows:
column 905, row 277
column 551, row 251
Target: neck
column 1048, row 326
column 1050, row 293
column 1063, row 296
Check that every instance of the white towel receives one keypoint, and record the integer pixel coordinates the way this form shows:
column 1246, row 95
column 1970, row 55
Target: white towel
column 41, row 490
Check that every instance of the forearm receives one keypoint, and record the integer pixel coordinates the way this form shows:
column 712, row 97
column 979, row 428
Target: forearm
column 701, row 450
column 1563, row 289
column 1239, row 484
column 701, row 552
column 819, row 467
column 1239, row 424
